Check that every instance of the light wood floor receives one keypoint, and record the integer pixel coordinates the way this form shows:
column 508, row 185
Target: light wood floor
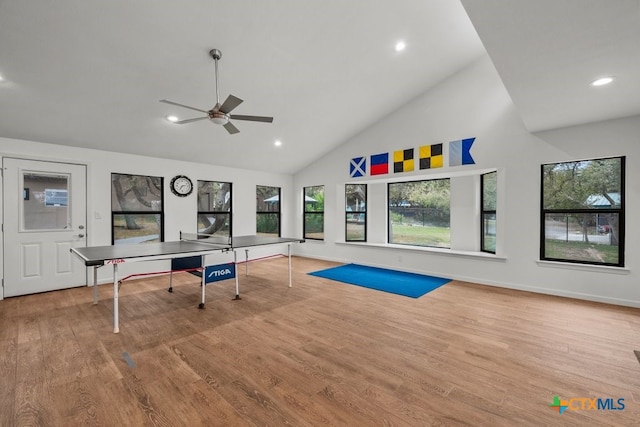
column 320, row 353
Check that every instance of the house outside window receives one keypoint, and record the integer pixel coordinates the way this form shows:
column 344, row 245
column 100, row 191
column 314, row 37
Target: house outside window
column 582, row 216
column 267, row 210
column 313, row 227
column 355, row 212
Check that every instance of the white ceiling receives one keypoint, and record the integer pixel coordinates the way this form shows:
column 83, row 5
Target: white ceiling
column 547, row 52
column 90, row 74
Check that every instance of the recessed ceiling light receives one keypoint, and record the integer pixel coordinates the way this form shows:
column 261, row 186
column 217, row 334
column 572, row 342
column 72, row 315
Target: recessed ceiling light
column 278, row 143
column 172, row 119
column 400, row 46
column 602, row 81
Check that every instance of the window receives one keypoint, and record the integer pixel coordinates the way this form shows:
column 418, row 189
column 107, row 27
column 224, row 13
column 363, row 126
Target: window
column 268, row 210
column 488, row 196
column 419, row 213
column 355, row 212
column 214, row 208
column 136, row 209
column 582, row 212
column 314, row 212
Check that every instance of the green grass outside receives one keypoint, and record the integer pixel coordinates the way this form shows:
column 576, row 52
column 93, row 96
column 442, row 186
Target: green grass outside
column 581, row 251
column 421, row 236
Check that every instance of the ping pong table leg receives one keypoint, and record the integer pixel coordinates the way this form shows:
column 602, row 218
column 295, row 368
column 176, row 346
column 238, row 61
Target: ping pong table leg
column 203, row 283
column 235, row 267
column 289, row 256
column 246, row 262
column 116, row 327
column 95, row 285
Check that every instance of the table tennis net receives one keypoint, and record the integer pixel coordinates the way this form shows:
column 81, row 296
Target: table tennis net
column 211, row 239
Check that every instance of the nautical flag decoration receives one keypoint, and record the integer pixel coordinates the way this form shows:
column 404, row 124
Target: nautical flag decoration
column 358, row 167
column 215, row 273
column 380, row 164
column 459, row 152
column 431, row 156
column 403, row 160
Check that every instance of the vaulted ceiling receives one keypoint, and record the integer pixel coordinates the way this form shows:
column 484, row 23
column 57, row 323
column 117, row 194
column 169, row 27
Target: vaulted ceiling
column 90, row 74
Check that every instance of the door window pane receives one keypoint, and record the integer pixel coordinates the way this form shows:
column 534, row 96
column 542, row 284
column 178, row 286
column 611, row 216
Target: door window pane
column 45, row 202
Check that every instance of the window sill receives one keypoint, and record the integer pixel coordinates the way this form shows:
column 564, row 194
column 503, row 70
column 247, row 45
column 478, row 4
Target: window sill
column 583, row 267
column 437, row 251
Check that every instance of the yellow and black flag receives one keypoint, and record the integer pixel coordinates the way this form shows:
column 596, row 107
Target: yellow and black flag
column 431, row 156
column 403, row 160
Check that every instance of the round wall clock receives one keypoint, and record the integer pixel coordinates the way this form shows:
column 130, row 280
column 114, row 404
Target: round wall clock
column 181, row 186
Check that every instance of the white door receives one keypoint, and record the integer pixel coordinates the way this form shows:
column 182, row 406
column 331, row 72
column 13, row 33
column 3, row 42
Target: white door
column 44, row 217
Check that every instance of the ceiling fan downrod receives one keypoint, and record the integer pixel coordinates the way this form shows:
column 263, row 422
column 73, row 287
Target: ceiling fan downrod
column 216, row 55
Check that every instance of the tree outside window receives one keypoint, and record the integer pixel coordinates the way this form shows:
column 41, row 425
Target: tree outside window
column 355, row 212
column 214, row 208
column 136, row 209
column 314, row 212
column 489, row 193
column 419, row 213
column 267, row 210
column 582, row 214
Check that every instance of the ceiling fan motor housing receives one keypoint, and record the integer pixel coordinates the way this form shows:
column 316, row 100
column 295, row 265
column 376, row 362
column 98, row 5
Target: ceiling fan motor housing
column 218, row 117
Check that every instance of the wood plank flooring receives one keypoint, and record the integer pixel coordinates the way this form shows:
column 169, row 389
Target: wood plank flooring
column 320, row 353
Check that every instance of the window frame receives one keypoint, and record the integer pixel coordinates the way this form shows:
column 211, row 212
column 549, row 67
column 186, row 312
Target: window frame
column 620, row 211
column 229, row 213
column 278, row 212
column 362, row 213
column 313, row 213
column 114, row 212
column 485, row 212
column 389, row 213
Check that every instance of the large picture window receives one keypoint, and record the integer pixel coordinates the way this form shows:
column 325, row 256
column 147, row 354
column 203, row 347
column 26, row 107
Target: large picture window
column 488, row 196
column 267, row 210
column 214, row 208
column 314, row 212
column 419, row 213
column 355, row 212
column 136, row 209
column 582, row 212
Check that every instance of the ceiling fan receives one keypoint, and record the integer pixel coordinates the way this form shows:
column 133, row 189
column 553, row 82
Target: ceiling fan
column 219, row 114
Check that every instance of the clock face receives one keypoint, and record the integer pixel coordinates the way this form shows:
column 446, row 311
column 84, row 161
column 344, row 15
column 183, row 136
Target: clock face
column 181, row 186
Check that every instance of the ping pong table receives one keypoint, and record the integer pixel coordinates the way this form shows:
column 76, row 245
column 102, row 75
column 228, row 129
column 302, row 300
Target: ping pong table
column 189, row 245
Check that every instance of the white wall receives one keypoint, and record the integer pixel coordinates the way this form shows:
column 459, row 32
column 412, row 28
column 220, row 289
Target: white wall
column 180, row 213
column 474, row 103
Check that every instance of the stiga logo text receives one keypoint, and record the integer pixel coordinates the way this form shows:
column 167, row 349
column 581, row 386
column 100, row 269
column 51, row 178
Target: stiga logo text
column 214, row 273
column 587, row 404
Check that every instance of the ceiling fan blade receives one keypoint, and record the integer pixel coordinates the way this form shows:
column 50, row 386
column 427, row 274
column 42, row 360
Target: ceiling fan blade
column 231, row 128
column 166, row 101
column 230, row 103
column 253, row 118
column 184, row 122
